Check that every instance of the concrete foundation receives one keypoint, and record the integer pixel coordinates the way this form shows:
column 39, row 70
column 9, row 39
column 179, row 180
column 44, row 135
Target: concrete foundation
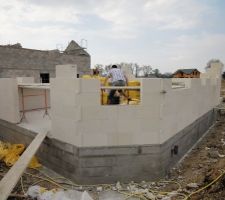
column 88, row 165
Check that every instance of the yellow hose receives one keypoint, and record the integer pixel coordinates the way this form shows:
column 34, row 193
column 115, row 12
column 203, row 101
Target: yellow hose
column 203, row 188
column 128, row 194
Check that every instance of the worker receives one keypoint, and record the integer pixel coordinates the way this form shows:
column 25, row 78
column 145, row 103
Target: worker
column 118, row 79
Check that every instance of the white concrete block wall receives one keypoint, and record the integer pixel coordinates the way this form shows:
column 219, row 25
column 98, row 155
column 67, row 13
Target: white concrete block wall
column 64, row 109
column 182, row 106
column 89, row 99
column 65, row 129
column 9, row 100
column 65, row 84
column 90, row 85
column 79, row 118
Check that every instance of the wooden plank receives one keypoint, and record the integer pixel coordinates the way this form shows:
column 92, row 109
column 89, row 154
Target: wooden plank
column 35, row 87
column 121, row 87
column 12, row 177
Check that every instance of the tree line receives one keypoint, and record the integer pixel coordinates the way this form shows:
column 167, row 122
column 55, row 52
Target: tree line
column 137, row 70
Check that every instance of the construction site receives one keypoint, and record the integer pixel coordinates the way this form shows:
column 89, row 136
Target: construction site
column 61, row 140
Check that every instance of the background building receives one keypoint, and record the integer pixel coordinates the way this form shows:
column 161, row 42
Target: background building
column 187, row 73
column 16, row 61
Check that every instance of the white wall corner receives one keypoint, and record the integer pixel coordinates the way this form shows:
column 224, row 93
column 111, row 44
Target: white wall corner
column 90, row 85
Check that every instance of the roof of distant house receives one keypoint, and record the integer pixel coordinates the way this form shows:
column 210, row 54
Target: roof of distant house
column 186, row 71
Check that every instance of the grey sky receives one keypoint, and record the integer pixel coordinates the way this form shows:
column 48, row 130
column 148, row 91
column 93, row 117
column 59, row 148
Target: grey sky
column 167, row 34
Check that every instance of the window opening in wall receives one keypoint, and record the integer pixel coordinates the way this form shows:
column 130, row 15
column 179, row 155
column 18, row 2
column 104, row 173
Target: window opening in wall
column 124, row 95
column 44, row 77
column 121, row 95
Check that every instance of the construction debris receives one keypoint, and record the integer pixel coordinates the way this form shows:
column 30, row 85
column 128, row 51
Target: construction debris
column 192, row 185
column 40, row 193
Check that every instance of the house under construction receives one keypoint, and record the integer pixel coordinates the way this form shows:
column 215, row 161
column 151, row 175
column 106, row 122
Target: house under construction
column 94, row 143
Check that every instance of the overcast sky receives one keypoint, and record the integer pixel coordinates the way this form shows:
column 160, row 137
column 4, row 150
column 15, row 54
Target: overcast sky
column 167, row 34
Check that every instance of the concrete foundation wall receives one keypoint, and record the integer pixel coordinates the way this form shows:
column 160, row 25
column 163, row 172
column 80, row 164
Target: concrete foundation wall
column 88, row 165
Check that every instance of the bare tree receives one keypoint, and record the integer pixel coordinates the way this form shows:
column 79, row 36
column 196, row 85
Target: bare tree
column 135, row 69
column 147, row 70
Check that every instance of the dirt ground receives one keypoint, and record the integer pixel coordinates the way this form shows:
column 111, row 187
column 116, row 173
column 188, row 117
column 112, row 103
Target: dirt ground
column 204, row 164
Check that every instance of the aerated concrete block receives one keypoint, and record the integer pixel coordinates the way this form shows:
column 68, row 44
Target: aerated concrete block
column 147, row 112
column 144, row 138
column 9, row 98
column 94, row 112
column 94, row 140
column 88, row 99
column 151, row 100
column 65, row 84
column 67, row 112
column 125, row 138
column 111, row 111
column 113, row 138
column 128, row 112
column 151, row 85
column 90, row 85
column 128, row 125
column 93, row 127
column 66, row 130
column 166, row 86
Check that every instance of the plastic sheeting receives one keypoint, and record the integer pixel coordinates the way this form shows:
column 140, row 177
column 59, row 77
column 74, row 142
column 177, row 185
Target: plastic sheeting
column 40, row 193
